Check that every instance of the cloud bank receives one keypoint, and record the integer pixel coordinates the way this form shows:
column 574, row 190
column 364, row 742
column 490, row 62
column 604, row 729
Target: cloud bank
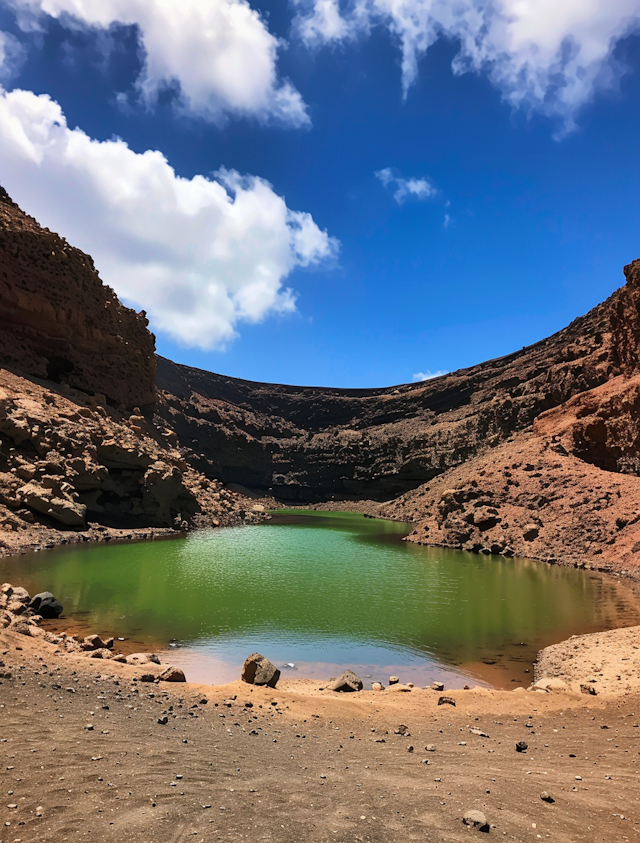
column 219, row 52
column 547, row 55
column 199, row 255
column 404, row 189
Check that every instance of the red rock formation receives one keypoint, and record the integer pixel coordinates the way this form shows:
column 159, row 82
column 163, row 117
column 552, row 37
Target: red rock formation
column 58, row 321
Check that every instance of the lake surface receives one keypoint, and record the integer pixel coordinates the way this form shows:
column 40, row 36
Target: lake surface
column 325, row 591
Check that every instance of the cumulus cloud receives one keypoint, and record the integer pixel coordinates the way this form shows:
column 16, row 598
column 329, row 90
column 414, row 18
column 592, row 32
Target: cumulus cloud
column 218, row 52
column 200, row 255
column 427, row 376
column 403, row 189
column 548, row 55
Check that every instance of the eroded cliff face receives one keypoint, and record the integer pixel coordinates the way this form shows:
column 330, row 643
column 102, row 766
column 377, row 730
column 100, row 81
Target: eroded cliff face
column 76, row 366
column 312, row 444
column 58, row 321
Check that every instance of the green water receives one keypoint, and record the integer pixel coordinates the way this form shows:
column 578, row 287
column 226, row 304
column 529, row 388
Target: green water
column 323, row 590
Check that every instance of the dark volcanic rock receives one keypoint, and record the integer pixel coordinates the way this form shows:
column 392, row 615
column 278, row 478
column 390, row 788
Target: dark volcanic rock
column 305, row 444
column 46, row 605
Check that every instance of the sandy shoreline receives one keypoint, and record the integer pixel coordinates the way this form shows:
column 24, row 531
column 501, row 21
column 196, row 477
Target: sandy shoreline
column 84, row 755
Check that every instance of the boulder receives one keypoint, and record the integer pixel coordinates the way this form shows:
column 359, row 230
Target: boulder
column 348, row 681
column 552, row 683
column 476, row 819
column 257, row 670
column 46, row 605
column 172, row 674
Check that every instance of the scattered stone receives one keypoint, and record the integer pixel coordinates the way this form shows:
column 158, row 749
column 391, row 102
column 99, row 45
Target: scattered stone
column 93, row 642
column 437, row 686
column 147, row 677
column 258, row 670
column 142, row 658
column 430, row 747
column 546, row 797
column 393, row 680
column 163, row 720
column 348, row 681
column 446, row 701
column 479, row 733
column 402, row 730
column 377, row 686
column 172, row 674
column 587, row 688
column 521, row 746
column 476, row 819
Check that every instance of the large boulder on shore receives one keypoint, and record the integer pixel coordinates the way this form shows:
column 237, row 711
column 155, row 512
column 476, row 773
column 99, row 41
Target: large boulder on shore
column 257, row 670
column 172, row 674
column 347, row 681
column 46, row 605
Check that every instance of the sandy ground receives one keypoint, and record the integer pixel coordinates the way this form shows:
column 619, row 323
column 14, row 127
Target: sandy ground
column 83, row 756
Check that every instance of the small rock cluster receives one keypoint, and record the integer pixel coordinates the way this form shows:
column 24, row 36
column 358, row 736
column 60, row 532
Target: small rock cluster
column 22, row 614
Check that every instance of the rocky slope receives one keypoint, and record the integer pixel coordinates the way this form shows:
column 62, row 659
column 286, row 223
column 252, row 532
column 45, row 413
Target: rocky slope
column 78, row 460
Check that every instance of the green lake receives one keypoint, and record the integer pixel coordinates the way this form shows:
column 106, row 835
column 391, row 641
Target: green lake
column 322, row 591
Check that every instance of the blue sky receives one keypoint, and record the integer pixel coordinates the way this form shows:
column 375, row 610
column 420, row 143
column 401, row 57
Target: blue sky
column 508, row 205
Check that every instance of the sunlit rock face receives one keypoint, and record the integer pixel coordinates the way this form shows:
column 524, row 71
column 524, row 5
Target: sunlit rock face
column 58, row 321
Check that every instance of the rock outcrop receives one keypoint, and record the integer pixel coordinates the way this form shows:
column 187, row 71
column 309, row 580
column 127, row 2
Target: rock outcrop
column 59, row 322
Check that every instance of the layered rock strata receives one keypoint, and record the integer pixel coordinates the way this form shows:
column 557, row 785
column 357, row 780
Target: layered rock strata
column 58, row 321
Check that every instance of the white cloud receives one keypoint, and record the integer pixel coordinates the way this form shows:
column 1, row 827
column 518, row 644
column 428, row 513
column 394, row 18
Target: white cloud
column 427, row 376
column 403, row 189
column 199, row 255
column 11, row 55
column 219, row 52
column 548, row 55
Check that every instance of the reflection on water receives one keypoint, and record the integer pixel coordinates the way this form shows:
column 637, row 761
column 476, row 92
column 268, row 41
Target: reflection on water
column 323, row 590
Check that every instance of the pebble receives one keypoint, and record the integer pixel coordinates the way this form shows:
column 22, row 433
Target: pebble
column 546, row 797
column 430, row 747
column 521, row 746
column 163, row 720
column 393, row 680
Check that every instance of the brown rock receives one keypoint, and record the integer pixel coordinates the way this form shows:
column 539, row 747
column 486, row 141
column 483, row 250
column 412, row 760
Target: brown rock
column 257, row 670
column 347, row 681
column 172, row 674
